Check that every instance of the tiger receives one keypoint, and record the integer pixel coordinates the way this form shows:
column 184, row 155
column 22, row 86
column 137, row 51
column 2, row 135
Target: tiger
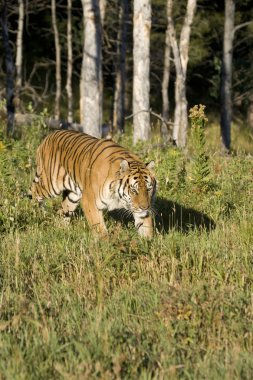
column 98, row 173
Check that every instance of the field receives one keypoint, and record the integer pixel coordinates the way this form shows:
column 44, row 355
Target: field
column 178, row 307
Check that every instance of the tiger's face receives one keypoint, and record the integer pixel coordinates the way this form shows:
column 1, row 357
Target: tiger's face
column 138, row 187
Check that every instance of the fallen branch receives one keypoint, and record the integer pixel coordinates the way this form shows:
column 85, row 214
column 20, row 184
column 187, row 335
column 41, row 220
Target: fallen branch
column 167, row 123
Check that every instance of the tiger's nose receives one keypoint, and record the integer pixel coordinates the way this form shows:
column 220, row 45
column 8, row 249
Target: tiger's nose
column 143, row 207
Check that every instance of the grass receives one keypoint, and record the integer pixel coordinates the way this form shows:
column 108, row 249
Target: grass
column 179, row 307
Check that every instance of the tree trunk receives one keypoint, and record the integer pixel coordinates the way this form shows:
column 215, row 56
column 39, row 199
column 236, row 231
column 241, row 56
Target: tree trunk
column 19, row 55
column 57, row 61
column 81, row 87
column 102, row 4
column 181, row 56
column 226, row 74
column 91, row 76
column 166, row 78
column 180, row 113
column 186, row 33
column 141, row 82
column 250, row 112
column 9, row 72
column 119, row 91
column 70, row 64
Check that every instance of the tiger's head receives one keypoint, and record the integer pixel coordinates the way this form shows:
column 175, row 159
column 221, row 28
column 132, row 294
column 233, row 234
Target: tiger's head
column 137, row 187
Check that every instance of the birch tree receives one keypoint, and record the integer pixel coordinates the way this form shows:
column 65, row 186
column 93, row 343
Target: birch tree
column 91, row 76
column 70, row 63
column 166, row 75
column 102, row 4
column 57, row 61
column 19, row 53
column 226, row 74
column 165, row 81
column 119, row 90
column 9, row 63
column 181, row 55
column 141, row 81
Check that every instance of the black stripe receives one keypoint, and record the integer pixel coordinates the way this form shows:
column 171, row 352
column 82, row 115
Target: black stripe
column 125, row 156
column 125, row 185
column 103, row 150
column 72, row 201
column 139, row 225
column 70, row 183
column 84, row 143
column 120, row 183
column 50, row 175
column 99, row 143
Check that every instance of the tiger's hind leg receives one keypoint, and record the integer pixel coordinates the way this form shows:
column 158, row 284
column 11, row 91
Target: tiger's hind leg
column 70, row 202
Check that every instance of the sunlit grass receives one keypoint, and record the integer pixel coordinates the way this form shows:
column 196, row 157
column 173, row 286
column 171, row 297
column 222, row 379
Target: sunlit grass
column 180, row 306
column 241, row 138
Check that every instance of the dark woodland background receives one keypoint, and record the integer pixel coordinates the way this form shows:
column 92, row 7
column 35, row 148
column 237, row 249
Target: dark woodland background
column 205, row 54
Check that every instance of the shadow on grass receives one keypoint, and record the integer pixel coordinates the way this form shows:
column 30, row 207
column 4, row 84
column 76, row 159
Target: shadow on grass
column 173, row 216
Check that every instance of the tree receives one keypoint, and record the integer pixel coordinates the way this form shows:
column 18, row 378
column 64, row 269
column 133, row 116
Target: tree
column 181, row 56
column 102, row 4
column 57, row 61
column 91, row 74
column 9, row 72
column 141, row 82
column 236, row 73
column 226, row 74
column 166, row 76
column 69, row 64
column 119, row 87
column 19, row 53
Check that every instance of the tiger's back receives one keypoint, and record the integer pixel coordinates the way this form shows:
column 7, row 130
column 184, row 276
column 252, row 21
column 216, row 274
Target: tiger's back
column 99, row 173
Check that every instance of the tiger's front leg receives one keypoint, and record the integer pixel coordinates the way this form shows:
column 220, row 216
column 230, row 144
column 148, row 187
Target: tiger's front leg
column 70, row 202
column 94, row 216
column 144, row 226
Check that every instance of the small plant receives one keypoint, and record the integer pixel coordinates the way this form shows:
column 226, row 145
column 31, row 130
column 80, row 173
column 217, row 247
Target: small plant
column 199, row 168
column 171, row 173
column 176, row 170
column 30, row 108
column 3, row 104
column 2, row 146
column 42, row 118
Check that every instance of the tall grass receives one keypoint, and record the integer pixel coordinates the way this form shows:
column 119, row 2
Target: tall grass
column 179, row 307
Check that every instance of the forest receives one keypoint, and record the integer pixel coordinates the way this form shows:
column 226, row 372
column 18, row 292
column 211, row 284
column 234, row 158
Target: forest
column 171, row 81
column 46, row 56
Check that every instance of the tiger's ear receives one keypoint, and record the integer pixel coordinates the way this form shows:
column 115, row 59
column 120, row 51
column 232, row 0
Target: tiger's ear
column 150, row 165
column 124, row 166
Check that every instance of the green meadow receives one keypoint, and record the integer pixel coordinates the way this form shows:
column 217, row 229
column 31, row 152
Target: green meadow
column 177, row 307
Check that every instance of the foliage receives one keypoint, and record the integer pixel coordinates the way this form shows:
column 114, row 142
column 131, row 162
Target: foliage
column 177, row 307
column 199, row 168
column 204, row 55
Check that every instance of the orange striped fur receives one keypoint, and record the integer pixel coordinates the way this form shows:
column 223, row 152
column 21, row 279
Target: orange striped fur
column 100, row 174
